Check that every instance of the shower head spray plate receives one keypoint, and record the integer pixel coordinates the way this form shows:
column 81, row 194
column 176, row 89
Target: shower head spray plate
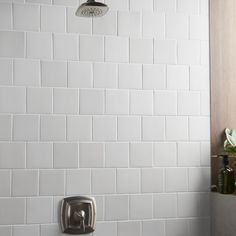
column 92, row 9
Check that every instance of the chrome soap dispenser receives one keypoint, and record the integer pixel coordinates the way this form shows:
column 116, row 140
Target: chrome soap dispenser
column 78, row 215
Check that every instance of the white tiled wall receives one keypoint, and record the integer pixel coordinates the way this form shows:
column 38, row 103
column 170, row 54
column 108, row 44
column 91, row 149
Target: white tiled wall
column 114, row 107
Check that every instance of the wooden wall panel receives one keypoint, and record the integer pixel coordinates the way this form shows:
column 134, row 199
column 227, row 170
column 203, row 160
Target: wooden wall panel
column 223, row 72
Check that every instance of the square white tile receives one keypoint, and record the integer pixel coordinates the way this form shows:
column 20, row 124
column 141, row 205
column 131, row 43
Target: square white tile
column 12, row 155
column 79, row 128
column 25, row 183
column 91, row 48
column 39, row 155
column 141, row 154
column 12, row 44
column 153, row 128
column 79, row 74
column 165, row 51
column 10, row 206
column 53, row 18
column 165, row 205
column 66, row 101
column 65, row 47
column 189, row 103
column 78, row 182
column 117, row 102
column 154, row 77
column 39, row 210
column 130, row 76
column 178, row 77
column 129, row 23
column 116, row 49
column 177, row 26
column 153, row 24
column 39, row 100
column 51, row 182
column 117, row 154
column 140, row 207
column 165, row 102
column 165, row 154
column 103, row 181
column 181, row 179
column 91, row 155
column 199, row 128
column 91, row 101
column 15, row 97
column 39, row 45
column 141, row 102
column 26, row 17
column 113, row 211
column 104, row 128
column 141, row 50
column 26, row 127
column 189, row 154
column 105, row 75
column 65, row 155
column 129, row 128
column 53, row 128
column 26, row 72
column 189, row 52
column 54, row 74
column 128, row 180
column 177, row 128
column 148, row 175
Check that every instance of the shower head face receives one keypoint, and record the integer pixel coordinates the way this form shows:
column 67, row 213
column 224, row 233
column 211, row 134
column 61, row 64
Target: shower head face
column 92, row 9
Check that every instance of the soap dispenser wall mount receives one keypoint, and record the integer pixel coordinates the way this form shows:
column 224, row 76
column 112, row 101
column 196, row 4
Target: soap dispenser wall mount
column 78, row 215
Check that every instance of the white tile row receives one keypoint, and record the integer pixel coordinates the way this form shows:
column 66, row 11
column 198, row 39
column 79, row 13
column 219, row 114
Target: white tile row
column 110, row 155
column 28, row 72
column 61, row 19
column 193, row 227
column 183, row 6
column 103, row 102
column 40, row 210
column 104, row 128
column 26, row 183
column 99, row 48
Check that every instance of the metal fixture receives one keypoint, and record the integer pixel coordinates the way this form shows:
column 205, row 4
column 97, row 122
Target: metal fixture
column 92, row 9
column 78, row 215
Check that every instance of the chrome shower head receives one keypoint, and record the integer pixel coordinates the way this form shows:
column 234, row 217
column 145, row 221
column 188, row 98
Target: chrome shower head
column 92, row 9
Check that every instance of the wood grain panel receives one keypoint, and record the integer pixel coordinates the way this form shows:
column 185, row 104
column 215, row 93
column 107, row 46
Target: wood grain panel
column 223, row 72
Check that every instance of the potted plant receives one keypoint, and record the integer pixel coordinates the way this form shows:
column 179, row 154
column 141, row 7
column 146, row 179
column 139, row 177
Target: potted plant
column 230, row 142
